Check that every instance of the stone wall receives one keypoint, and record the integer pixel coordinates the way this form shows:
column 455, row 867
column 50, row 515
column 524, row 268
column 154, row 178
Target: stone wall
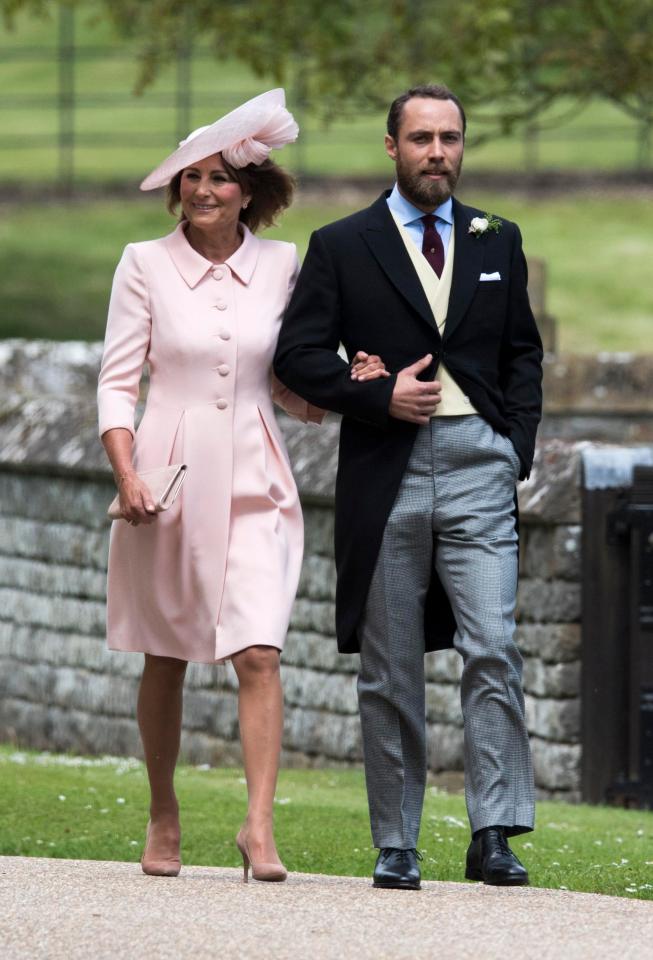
column 61, row 689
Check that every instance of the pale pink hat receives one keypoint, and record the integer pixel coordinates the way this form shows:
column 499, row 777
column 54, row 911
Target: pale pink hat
column 246, row 135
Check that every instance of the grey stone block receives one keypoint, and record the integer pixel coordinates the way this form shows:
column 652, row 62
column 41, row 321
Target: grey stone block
column 197, row 747
column 318, row 531
column 54, row 542
column 317, row 616
column 444, row 747
column 552, row 679
column 318, row 652
column 551, row 495
column 318, row 578
column 556, row 765
column 551, row 642
column 58, row 613
column 443, row 666
column 314, row 732
column 556, row 720
column 443, row 704
column 57, row 500
column 51, row 578
column 314, row 690
column 550, row 553
column 548, row 601
column 44, row 727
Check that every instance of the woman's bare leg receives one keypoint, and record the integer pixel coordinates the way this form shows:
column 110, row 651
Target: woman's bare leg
column 159, row 711
column 260, row 711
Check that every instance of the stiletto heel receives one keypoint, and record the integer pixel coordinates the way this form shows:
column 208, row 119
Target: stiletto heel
column 168, row 867
column 273, row 872
column 245, row 867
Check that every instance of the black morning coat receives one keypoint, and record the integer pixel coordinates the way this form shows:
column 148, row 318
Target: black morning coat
column 358, row 286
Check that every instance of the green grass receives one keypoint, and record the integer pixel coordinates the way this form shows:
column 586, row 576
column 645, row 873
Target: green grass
column 136, row 131
column 61, row 806
column 57, row 261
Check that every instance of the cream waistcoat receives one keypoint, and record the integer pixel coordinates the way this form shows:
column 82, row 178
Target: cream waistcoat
column 454, row 403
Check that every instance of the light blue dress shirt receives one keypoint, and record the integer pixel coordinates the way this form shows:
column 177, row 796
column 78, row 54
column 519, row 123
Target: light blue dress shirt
column 409, row 216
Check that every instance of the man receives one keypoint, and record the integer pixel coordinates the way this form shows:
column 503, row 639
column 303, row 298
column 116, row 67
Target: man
column 426, row 542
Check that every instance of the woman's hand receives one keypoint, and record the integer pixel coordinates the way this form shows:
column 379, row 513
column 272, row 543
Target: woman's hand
column 367, row 366
column 136, row 503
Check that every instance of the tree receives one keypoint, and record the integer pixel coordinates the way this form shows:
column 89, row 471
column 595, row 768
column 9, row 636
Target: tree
column 509, row 60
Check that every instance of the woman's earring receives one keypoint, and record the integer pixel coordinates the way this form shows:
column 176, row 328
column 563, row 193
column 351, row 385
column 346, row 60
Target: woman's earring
column 246, row 204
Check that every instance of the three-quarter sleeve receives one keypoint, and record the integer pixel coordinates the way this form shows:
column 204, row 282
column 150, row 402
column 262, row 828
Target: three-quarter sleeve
column 126, row 345
column 283, row 396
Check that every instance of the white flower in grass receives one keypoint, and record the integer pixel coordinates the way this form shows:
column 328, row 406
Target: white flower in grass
column 120, row 800
column 62, row 796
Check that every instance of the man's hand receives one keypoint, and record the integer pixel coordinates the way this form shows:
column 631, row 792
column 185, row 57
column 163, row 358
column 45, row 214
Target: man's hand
column 412, row 399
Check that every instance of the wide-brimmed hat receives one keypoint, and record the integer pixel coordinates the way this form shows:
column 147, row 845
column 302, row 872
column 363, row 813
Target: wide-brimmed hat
column 246, row 135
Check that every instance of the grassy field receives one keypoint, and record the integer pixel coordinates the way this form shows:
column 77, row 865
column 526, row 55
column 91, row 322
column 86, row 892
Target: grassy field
column 57, row 261
column 61, row 806
column 121, row 136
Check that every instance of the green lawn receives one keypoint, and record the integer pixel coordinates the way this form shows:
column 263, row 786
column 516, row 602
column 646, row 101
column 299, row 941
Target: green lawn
column 121, row 136
column 57, row 260
column 62, row 806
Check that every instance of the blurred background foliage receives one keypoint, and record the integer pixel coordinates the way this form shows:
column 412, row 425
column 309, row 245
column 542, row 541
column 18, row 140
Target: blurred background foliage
column 93, row 93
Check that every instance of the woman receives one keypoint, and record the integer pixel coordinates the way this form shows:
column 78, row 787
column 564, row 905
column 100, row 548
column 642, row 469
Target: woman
column 214, row 577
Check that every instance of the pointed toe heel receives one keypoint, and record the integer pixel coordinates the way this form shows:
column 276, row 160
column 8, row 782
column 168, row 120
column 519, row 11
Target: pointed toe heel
column 270, row 872
column 157, row 866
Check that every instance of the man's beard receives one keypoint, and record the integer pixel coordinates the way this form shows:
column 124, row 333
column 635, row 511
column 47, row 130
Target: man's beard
column 423, row 192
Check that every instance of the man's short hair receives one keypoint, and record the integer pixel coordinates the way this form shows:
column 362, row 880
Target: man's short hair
column 435, row 91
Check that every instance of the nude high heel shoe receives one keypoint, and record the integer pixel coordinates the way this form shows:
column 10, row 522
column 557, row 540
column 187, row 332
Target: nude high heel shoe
column 273, row 872
column 169, row 867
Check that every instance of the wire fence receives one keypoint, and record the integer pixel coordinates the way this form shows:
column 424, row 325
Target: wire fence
column 76, row 130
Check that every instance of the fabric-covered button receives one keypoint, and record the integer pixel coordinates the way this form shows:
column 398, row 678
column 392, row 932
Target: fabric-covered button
column 222, row 404
column 218, row 273
column 221, row 305
column 224, row 335
column 223, row 369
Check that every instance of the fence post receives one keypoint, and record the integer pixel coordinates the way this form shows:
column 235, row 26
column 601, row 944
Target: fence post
column 644, row 142
column 66, row 99
column 184, row 95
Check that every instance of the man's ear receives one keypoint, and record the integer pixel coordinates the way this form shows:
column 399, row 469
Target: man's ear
column 390, row 147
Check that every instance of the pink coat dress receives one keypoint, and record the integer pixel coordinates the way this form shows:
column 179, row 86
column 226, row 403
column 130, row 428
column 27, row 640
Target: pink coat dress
column 218, row 571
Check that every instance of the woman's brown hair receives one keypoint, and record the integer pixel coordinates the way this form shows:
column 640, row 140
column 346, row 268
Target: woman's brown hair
column 269, row 186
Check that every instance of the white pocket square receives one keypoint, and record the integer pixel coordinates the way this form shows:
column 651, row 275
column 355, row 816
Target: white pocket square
column 490, row 276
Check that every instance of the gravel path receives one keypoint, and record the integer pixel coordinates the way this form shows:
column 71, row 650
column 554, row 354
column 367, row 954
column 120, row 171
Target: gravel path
column 109, row 911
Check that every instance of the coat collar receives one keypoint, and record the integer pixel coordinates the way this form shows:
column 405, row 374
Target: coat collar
column 193, row 266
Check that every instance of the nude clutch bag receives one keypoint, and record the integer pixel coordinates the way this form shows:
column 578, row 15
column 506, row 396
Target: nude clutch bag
column 164, row 483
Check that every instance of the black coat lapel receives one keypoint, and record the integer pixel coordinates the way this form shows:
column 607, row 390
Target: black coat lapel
column 467, row 266
column 384, row 240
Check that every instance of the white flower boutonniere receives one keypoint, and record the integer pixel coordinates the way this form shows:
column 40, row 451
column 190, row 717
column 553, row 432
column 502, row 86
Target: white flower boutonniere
column 481, row 225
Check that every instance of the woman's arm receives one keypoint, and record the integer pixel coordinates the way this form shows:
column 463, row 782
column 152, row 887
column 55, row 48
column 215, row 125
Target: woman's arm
column 136, row 504
column 126, row 346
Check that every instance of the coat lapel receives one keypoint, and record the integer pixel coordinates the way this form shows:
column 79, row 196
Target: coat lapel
column 467, row 266
column 382, row 237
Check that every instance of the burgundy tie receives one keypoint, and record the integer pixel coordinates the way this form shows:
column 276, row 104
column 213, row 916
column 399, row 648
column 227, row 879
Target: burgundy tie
column 432, row 246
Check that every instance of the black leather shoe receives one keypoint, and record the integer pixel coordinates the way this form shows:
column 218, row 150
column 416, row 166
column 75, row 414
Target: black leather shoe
column 397, row 869
column 490, row 859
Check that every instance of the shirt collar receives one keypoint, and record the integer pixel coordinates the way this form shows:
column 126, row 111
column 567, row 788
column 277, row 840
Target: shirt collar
column 407, row 213
column 193, row 266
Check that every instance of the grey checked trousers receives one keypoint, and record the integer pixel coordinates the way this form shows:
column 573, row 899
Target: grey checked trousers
column 454, row 509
